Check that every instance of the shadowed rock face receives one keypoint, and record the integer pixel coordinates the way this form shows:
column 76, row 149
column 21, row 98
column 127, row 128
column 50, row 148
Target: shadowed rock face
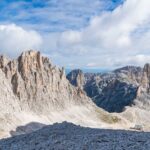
column 116, row 96
column 70, row 136
column 115, row 90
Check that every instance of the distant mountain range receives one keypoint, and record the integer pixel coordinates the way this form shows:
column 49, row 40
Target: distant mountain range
column 86, row 70
column 113, row 91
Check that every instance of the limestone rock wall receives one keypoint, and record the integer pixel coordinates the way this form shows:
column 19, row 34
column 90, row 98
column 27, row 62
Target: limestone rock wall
column 39, row 85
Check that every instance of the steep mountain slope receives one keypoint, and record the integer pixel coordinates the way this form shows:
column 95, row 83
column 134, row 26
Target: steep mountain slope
column 33, row 90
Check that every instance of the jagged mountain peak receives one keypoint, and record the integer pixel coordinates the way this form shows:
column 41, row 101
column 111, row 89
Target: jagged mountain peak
column 3, row 61
column 33, row 57
column 146, row 69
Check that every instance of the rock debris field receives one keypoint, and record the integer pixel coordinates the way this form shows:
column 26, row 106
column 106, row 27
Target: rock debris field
column 67, row 136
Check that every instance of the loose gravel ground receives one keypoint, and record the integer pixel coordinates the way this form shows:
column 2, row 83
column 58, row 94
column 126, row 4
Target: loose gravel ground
column 67, row 136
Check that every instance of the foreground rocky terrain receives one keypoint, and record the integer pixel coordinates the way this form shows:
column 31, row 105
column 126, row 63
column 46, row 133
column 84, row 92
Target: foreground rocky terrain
column 71, row 137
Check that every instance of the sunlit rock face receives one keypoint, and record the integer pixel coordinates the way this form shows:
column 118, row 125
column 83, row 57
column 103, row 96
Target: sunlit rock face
column 35, row 80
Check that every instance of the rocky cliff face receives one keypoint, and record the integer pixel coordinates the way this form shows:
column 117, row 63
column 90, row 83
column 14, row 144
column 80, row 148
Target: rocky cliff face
column 115, row 90
column 35, row 80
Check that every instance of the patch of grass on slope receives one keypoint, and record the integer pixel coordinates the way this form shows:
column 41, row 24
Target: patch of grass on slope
column 106, row 117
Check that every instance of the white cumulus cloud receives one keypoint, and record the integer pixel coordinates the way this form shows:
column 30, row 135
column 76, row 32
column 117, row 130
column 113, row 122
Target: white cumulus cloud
column 14, row 39
column 121, row 33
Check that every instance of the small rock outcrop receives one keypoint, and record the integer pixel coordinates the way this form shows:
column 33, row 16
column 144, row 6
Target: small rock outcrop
column 76, row 77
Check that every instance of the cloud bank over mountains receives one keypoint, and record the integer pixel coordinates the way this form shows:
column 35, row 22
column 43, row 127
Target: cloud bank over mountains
column 111, row 39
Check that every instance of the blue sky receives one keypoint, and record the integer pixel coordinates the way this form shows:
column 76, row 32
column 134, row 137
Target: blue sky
column 78, row 33
column 53, row 15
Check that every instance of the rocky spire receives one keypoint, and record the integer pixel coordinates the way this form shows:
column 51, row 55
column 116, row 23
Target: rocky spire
column 3, row 61
column 76, row 77
column 145, row 82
